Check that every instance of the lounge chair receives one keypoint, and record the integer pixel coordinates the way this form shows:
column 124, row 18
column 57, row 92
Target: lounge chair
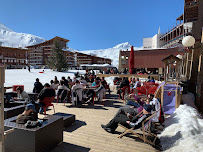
column 146, row 124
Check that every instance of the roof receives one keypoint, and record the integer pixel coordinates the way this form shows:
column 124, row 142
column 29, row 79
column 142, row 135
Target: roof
column 11, row 48
column 180, row 18
column 97, row 65
column 62, row 39
column 171, row 57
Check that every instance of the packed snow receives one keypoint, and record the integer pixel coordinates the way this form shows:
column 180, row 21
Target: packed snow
column 26, row 78
column 183, row 131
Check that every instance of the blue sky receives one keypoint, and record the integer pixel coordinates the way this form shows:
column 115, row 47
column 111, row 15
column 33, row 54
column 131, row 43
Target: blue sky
column 91, row 24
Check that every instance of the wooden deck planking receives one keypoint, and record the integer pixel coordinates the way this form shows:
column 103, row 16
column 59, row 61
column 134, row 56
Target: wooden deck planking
column 86, row 133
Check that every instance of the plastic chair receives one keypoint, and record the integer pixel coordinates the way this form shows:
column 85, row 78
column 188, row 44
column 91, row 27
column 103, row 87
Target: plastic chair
column 141, row 90
column 48, row 102
column 64, row 94
column 152, row 90
column 107, row 88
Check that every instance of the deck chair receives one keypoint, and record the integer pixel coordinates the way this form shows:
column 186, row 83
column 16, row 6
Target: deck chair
column 62, row 96
column 146, row 124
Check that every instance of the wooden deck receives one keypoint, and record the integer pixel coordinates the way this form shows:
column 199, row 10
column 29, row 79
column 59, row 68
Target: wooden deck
column 86, row 133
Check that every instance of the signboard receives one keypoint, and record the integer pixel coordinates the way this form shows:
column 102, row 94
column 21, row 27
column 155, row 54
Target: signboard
column 191, row 10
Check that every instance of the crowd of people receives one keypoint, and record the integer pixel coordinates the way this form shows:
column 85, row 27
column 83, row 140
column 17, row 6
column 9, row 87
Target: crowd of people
column 79, row 90
column 83, row 88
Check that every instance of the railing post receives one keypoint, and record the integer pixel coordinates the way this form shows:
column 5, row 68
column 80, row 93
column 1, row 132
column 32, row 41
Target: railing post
column 2, row 81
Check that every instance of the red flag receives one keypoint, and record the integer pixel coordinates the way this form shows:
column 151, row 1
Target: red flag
column 131, row 61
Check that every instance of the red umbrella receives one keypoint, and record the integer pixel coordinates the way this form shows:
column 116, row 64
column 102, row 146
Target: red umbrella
column 131, row 61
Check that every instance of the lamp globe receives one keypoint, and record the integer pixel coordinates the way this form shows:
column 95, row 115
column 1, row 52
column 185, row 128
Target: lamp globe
column 188, row 41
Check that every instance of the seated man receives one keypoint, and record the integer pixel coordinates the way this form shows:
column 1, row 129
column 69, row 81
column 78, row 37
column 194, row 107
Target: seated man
column 46, row 92
column 127, row 120
column 137, row 84
column 28, row 114
column 62, row 91
column 76, row 92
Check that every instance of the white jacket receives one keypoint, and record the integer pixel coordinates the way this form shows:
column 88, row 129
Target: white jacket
column 156, row 103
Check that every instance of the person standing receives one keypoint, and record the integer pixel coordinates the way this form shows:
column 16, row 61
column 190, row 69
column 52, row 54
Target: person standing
column 28, row 68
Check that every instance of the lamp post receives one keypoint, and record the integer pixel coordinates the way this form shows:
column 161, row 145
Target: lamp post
column 188, row 41
column 196, row 81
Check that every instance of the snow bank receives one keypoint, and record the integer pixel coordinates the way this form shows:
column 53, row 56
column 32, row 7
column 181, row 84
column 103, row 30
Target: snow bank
column 110, row 80
column 183, row 132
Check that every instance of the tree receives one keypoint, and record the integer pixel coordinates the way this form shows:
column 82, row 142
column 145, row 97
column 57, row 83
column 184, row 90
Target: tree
column 57, row 60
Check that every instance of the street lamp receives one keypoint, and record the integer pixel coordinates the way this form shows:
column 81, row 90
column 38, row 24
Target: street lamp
column 188, row 41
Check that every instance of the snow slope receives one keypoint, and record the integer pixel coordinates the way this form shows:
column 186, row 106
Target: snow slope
column 13, row 39
column 111, row 53
column 26, row 78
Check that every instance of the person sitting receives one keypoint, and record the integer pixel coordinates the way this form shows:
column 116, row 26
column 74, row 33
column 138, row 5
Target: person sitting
column 128, row 120
column 46, row 92
column 137, row 84
column 28, row 114
column 132, row 83
column 148, row 80
column 74, row 80
column 154, row 102
column 65, row 81
column 76, row 92
column 83, row 81
column 152, row 80
column 77, row 74
column 37, row 86
column 22, row 94
column 53, row 85
column 56, row 81
column 62, row 91
column 69, row 80
column 95, row 84
column 124, row 83
column 103, row 81
column 101, row 91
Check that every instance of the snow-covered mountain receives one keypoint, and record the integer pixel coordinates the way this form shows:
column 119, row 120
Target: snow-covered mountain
column 112, row 53
column 13, row 39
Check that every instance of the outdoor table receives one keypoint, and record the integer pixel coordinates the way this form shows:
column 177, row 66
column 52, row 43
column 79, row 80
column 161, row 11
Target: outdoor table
column 38, row 139
column 68, row 119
